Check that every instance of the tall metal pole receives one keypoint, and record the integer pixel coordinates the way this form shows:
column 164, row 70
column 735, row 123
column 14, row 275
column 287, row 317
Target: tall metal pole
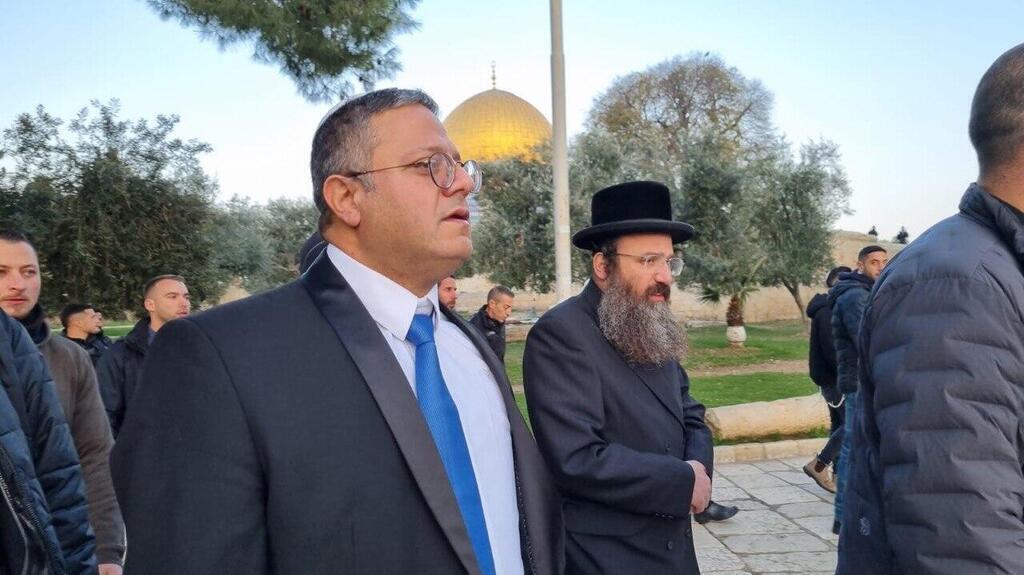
column 559, row 156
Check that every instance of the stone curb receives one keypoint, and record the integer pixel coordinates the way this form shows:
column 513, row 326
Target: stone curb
column 770, row 450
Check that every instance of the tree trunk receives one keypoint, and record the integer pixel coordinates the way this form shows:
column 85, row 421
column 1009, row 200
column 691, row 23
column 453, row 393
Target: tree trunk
column 735, row 332
column 794, row 290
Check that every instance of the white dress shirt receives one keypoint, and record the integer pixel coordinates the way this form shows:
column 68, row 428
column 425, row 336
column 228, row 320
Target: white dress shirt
column 472, row 387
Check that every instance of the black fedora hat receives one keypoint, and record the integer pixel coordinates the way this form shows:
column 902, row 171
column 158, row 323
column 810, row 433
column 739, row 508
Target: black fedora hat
column 631, row 208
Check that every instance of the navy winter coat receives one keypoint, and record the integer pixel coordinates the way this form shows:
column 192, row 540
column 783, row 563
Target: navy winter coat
column 937, row 481
column 119, row 371
column 40, row 467
column 848, row 298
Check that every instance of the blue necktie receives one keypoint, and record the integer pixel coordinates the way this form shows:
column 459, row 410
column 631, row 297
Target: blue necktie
column 443, row 420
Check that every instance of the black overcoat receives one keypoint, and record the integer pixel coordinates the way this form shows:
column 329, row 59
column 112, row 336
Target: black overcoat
column 617, row 437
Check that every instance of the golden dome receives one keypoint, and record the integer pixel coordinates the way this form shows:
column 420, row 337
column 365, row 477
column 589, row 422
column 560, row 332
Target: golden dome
column 496, row 124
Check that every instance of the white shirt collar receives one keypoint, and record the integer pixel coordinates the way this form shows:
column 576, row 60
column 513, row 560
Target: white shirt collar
column 390, row 305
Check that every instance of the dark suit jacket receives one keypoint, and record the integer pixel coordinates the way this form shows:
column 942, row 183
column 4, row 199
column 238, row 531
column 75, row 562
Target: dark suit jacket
column 278, row 435
column 617, row 437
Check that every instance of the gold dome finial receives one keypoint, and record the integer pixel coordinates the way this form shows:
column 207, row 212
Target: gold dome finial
column 494, row 76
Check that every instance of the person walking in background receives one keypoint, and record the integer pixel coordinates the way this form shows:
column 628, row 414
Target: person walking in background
column 821, row 361
column 448, row 292
column 165, row 298
column 79, row 396
column 491, row 317
column 83, row 324
column 848, row 297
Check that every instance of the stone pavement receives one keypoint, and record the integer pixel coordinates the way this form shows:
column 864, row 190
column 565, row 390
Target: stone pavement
column 784, row 524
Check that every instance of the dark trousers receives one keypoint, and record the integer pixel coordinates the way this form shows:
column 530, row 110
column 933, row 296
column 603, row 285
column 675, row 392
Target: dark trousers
column 830, row 452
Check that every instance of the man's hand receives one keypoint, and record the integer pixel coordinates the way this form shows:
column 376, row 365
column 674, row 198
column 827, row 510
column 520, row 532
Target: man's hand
column 110, row 569
column 701, row 487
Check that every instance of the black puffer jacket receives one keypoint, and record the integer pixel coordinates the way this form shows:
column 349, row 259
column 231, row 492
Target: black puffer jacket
column 936, row 483
column 821, row 359
column 43, row 492
column 848, row 298
column 96, row 344
column 119, row 371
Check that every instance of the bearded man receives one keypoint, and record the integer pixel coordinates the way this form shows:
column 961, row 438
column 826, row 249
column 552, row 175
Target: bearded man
column 609, row 401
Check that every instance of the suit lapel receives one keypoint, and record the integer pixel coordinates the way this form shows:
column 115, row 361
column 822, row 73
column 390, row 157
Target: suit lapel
column 662, row 387
column 359, row 333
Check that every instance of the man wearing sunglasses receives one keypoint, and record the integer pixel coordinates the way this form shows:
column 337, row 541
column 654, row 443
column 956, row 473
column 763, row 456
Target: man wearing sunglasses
column 610, row 403
column 366, row 429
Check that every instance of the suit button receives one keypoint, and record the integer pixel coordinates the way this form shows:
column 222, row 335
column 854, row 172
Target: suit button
column 689, row 532
column 668, row 448
column 669, row 545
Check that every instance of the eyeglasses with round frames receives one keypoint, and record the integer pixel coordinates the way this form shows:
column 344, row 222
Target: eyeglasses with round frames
column 441, row 168
column 650, row 262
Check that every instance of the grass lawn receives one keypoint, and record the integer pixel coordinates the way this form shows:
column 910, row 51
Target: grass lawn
column 116, row 331
column 778, row 341
column 775, row 341
column 716, row 391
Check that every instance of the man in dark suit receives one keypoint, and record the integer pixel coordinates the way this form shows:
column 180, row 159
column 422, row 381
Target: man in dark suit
column 610, row 403
column 344, row 423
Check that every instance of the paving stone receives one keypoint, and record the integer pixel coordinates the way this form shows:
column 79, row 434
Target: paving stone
column 748, row 482
column 782, row 495
column 774, row 543
column 813, row 489
column 797, row 462
column 732, row 470
column 724, row 493
column 820, row 526
column 809, row 509
column 794, row 477
column 771, row 465
column 800, row 562
column 718, row 560
column 702, row 539
column 746, row 504
column 751, row 522
column 719, row 481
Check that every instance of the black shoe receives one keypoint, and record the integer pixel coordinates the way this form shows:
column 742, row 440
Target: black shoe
column 716, row 512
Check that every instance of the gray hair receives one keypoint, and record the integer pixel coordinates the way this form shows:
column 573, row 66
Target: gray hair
column 343, row 141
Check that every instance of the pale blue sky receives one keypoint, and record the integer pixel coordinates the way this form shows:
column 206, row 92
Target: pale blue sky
column 890, row 82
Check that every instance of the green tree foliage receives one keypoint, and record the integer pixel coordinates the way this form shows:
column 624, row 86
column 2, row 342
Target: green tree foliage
column 724, row 258
column 512, row 244
column 109, row 203
column 286, row 223
column 324, row 46
column 795, row 215
column 704, row 129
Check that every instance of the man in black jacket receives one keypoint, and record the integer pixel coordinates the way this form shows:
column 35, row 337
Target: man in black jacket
column 490, row 318
column 610, row 402
column 165, row 298
column 936, row 483
column 848, row 298
column 84, row 326
column 821, row 361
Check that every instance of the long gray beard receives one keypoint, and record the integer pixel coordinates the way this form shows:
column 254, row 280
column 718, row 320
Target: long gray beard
column 643, row 332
